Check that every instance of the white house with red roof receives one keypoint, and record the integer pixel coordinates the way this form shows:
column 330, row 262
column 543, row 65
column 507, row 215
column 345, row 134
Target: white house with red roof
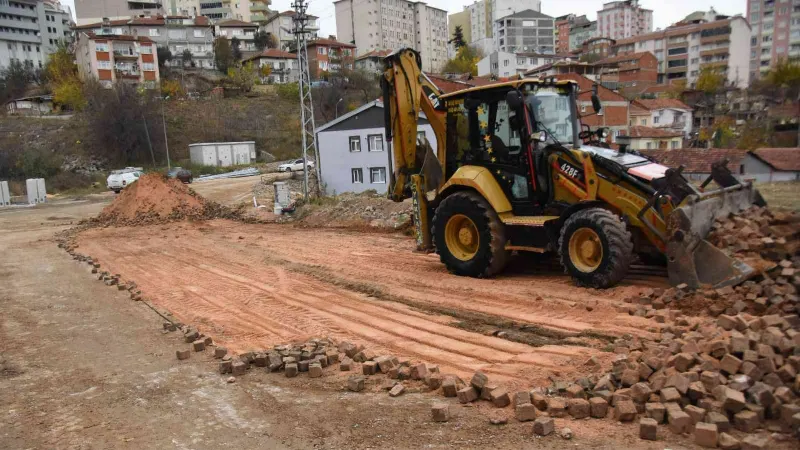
column 283, row 65
column 668, row 113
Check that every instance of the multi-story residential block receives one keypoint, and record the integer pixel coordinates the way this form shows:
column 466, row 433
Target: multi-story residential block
column 393, row 24
column 581, row 30
column 31, row 29
column 598, row 47
column 283, row 65
column 624, row 19
column 372, row 61
column 461, row 19
column 113, row 58
column 177, row 33
column 629, row 70
column 525, row 31
column 281, row 25
column 505, row 64
column 483, row 15
column 775, row 33
column 259, row 11
column 562, row 25
column 329, row 56
column 245, row 32
column 683, row 51
column 245, row 11
column 93, row 11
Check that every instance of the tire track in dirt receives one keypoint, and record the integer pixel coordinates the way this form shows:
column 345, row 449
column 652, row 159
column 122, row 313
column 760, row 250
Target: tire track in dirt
column 255, row 305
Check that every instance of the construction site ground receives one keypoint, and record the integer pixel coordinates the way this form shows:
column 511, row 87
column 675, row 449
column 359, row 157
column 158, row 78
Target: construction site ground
column 82, row 366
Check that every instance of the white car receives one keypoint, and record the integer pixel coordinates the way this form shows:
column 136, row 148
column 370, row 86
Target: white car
column 297, row 164
column 120, row 179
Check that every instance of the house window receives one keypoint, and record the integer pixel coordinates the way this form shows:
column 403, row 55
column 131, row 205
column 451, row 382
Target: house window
column 643, row 122
column 649, row 145
column 357, row 176
column 104, row 64
column 146, row 50
column 377, row 175
column 655, row 120
column 674, row 144
column 199, row 33
column 375, row 143
column 321, row 50
column 154, row 32
column 355, row 143
column 101, row 47
column 148, row 66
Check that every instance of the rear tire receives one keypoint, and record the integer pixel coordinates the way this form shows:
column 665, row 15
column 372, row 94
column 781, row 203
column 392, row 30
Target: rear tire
column 469, row 237
column 595, row 248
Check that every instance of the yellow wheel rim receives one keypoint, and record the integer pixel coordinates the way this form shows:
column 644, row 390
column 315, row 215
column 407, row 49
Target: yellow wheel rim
column 462, row 238
column 585, row 250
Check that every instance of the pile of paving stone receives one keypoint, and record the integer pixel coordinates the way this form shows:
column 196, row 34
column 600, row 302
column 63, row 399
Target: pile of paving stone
column 770, row 234
column 730, row 384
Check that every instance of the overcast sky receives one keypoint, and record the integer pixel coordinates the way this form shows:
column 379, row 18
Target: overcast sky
column 665, row 12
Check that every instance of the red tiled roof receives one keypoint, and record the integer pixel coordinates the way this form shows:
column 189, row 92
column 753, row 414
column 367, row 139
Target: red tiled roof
column 648, row 132
column 697, row 160
column 273, row 53
column 786, row 159
column 374, row 54
column 661, row 103
column 117, row 37
column 329, row 43
column 448, row 85
column 200, row 21
column 637, row 111
column 236, row 23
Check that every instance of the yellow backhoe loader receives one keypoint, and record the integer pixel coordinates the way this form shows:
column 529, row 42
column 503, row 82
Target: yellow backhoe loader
column 512, row 170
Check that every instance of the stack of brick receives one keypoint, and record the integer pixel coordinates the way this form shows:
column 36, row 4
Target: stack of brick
column 739, row 374
column 308, row 357
column 771, row 234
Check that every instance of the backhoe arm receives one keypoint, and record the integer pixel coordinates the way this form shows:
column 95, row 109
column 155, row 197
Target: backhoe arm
column 406, row 92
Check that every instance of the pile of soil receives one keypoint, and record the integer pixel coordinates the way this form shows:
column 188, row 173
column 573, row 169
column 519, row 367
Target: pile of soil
column 154, row 199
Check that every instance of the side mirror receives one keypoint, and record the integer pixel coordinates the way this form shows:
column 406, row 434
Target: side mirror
column 596, row 105
column 514, row 100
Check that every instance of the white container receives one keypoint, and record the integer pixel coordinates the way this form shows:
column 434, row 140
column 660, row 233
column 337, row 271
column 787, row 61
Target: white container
column 5, row 194
column 32, row 189
column 282, row 199
column 223, row 154
column 41, row 190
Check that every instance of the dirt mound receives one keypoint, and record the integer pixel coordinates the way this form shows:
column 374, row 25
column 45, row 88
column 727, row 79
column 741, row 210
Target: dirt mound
column 157, row 199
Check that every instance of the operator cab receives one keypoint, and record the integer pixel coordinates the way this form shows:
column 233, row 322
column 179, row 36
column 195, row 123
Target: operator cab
column 509, row 129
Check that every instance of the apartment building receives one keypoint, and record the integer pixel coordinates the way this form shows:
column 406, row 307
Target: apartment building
column 479, row 20
column 382, row 24
column 31, row 29
column 281, row 25
column 283, row 65
column 562, row 25
column 624, row 19
column 177, row 33
column 629, row 70
column 581, row 30
column 245, row 32
column 113, row 58
column 93, row 11
column 682, row 51
column 504, row 64
column 525, row 31
column 329, row 56
column 775, row 33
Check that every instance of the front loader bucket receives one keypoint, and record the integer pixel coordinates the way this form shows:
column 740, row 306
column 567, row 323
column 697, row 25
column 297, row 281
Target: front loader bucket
column 692, row 259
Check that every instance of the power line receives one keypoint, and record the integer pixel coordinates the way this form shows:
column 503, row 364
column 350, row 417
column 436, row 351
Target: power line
column 300, row 21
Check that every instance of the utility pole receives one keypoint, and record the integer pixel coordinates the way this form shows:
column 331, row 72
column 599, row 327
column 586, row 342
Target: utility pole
column 306, row 104
column 164, row 124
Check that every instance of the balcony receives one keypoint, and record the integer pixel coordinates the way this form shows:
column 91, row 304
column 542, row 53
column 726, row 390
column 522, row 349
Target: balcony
column 260, row 7
column 17, row 11
column 27, row 25
column 714, row 65
column 715, row 51
column 131, row 74
column 17, row 37
column 126, row 54
column 258, row 18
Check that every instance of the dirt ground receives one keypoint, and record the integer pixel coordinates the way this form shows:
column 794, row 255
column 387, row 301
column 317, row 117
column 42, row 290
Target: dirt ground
column 84, row 367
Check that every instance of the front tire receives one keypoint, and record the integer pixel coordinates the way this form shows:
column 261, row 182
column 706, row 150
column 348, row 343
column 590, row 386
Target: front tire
column 469, row 237
column 595, row 248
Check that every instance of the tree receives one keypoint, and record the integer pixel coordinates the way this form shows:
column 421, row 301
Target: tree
column 164, row 56
column 61, row 75
column 458, row 38
column 223, row 55
column 265, row 71
column 710, row 81
column 263, row 40
column 466, row 61
column 186, row 57
column 15, row 79
column 171, row 88
column 243, row 76
column 783, row 81
column 236, row 50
